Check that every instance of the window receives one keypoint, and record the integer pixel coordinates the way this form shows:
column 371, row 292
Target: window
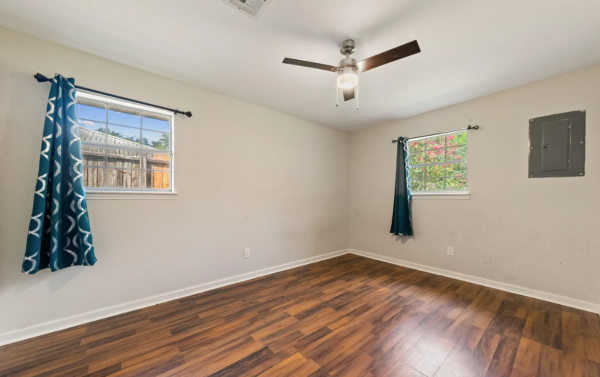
column 439, row 164
column 125, row 147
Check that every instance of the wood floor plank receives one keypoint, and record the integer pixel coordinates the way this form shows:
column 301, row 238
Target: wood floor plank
column 528, row 357
column 347, row 316
column 403, row 370
column 307, row 369
column 287, row 367
column 550, row 362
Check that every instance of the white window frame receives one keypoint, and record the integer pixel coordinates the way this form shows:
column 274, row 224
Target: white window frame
column 126, row 193
column 446, row 194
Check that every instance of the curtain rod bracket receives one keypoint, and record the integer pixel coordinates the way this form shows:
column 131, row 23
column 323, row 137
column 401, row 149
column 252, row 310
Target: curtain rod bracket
column 475, row 127
column 41, row 78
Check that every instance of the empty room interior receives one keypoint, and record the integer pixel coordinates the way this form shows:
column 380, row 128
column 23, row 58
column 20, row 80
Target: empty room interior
column 300, row 188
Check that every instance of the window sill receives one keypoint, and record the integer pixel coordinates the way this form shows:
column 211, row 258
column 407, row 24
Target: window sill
column 130, row 195
column 442, row 196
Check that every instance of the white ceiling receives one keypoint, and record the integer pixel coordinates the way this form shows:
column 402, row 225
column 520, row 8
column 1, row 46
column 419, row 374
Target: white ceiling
column 470, row 47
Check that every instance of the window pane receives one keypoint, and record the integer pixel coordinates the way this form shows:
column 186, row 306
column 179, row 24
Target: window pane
column 91, row 110
column 417, row 185
column 92, row 136
column 456, row 183
column 435, row 171
column 157, row 180
column 123, row 158
column 156, row 140
column 156, row 161
column 123, row 135
column 126, row 117
column 94, row 177
column 93, row 156
column 416, row 158
column 436, row 184
column 435, row 156
column 435, row 143
column 456, row 169
column 90, row 125
column 123, row 178
column 417, row 146
column 156, row 122
column 457, row 153
column 417, row 173
column 457, row 139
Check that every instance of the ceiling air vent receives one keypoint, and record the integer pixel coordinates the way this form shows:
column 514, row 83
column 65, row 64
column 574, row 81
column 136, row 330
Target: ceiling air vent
column 251, row 7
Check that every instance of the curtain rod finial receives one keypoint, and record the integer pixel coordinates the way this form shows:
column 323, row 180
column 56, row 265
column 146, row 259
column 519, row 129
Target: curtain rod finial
column 40, row 78
column 188, row 114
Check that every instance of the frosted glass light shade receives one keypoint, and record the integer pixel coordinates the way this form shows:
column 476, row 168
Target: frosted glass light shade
column 347, row 78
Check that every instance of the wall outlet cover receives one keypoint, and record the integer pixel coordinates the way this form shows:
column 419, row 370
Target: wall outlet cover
column 246, row 253
column 450, row 251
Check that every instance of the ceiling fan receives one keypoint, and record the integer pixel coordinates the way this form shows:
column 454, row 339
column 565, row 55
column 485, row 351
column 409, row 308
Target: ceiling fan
column 348, row 68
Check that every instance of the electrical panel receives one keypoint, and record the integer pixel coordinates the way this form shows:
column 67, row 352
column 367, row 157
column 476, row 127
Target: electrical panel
column 557, row 145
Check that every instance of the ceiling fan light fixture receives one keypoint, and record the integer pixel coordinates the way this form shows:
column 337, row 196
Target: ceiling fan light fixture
column 347, row 77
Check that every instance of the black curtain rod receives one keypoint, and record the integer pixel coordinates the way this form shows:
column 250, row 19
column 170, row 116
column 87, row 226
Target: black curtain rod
column 441, row 133
column 41, row 78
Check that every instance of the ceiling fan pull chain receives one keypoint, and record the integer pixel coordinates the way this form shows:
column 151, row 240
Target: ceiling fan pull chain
column 337, row 96
column 357, row 85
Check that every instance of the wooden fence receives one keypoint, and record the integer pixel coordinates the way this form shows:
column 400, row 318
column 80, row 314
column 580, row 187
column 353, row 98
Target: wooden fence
column 122, row 168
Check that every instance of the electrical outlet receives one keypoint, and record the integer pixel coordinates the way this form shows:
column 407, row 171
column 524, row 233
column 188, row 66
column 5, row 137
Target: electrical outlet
column 246, row 253
column 450, row 251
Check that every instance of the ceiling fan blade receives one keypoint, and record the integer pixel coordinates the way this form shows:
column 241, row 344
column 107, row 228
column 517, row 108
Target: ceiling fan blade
column 389, row 56
column 348, row 94
column 304, row 63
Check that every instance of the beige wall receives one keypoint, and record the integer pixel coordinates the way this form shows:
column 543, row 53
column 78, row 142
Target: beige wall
column 542, row 234
column 246, row 177
column 251, row 177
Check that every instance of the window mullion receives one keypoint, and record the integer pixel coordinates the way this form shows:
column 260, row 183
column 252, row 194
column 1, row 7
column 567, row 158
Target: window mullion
column 106, row 148
column 438, row 163
column 446, row 160
column 141, row 177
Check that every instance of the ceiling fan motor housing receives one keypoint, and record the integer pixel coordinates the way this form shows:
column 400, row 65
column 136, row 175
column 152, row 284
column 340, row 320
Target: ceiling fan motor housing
column 347, row 63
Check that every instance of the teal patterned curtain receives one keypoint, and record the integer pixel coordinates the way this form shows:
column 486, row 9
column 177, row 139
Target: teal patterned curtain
column 59, row 229
column 402, row 217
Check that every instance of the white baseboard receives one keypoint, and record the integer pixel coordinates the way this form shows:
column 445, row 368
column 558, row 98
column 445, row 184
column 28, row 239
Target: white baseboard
column 65, row 323
column 546, row 296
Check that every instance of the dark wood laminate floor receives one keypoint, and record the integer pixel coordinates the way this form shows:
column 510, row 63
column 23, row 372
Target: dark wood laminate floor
column 348, row 316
